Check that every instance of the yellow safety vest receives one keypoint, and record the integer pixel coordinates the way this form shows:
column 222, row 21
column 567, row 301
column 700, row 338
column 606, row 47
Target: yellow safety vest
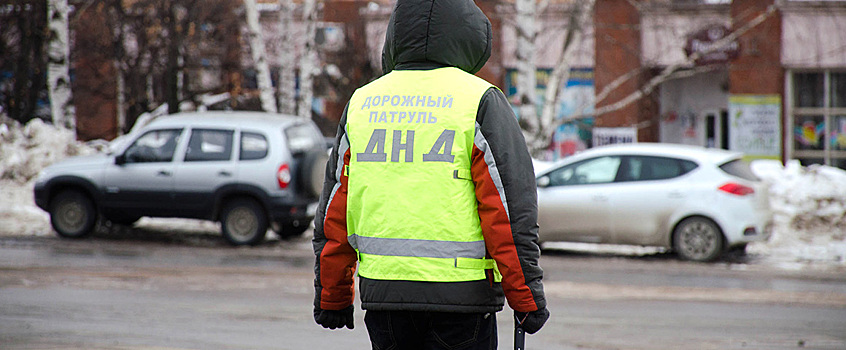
column 411, row 204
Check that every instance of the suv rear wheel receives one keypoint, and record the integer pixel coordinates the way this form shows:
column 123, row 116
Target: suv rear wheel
column 72, row 214
column 312, row 172
column 243, row 222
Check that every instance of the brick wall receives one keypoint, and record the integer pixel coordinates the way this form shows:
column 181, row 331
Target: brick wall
column 617, row 53
column 758, row 69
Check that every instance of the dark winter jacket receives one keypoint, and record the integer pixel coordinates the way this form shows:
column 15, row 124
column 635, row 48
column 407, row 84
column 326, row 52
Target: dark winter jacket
column 423, row 35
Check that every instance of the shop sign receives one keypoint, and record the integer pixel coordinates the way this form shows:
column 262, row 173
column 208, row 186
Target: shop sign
column 755, row 122
column 610, row 136
column 704, row 43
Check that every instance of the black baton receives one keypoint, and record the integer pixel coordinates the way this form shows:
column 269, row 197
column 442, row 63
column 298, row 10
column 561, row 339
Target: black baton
column 519, row 338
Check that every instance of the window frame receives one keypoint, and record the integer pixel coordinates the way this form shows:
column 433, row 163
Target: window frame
column 827, row 155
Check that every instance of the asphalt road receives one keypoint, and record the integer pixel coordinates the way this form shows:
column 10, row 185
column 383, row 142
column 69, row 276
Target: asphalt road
column 153, row 288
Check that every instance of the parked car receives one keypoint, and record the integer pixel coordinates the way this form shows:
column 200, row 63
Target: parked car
column 248, row 170
column 696, row 201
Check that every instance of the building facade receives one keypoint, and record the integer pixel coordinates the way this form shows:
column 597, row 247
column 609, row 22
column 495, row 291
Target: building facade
column 764, row 77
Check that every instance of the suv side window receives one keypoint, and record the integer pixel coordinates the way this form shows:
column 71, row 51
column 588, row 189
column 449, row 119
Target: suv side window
column 153, row 146
column 592, row 171
column 209, row 145
column 646, row 168
column 253, row 146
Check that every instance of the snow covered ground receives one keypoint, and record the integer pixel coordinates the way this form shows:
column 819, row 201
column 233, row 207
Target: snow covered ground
column 809, row 203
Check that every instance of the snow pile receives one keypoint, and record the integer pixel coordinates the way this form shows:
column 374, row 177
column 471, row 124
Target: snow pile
column 809, row 207
column 24, row 151
column 820, row 206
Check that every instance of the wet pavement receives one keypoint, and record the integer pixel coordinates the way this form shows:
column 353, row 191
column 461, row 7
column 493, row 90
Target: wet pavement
column 150, row 287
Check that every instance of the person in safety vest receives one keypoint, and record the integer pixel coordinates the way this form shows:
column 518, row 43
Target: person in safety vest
column 430, row 189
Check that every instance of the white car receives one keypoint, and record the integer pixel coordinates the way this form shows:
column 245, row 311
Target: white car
column 696, row 201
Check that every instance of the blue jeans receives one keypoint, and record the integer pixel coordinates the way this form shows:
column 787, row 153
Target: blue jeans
column 422, row 330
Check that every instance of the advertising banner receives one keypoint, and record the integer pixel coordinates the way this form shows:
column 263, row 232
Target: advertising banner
column 755, row 125
column 576, row 93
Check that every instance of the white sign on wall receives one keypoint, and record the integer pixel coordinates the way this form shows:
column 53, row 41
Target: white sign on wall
column 608, row 136
column 755, row 125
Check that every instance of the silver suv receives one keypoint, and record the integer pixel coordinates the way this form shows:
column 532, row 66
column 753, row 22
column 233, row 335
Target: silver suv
column 248, row 170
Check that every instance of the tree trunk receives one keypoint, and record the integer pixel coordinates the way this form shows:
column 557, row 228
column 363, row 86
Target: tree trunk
column 286, row 82
column 526, row 67
column 58, row 55
column 577, row 20
column 308, row 60
column 173, row 70
column 116, row 26
column 259, row 52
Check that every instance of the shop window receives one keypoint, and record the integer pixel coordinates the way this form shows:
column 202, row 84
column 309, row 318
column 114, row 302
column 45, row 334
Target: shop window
column 809, row 132
column 809, row 89
column 838, row 90
column 818, row 117
column 838, row 133
column 839, row 163
column 811, row 161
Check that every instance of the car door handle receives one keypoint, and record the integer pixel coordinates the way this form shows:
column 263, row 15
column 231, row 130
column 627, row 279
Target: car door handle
column 163, row 173
column 224, row 173
column 675, row 194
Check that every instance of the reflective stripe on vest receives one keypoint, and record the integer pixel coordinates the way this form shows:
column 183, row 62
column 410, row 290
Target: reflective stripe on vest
column 433, row 261
column 417, row 247
column 411, row 209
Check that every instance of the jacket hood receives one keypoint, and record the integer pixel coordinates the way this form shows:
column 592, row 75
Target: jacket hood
column 452, row 33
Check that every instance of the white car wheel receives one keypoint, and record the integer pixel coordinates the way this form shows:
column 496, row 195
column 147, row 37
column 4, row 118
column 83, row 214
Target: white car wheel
column 698, row 239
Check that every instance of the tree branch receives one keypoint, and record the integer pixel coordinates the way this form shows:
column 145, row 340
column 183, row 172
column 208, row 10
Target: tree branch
column 669, row 72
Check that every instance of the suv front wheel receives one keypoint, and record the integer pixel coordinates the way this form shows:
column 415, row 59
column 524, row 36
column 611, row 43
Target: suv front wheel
column 72, row 214
column 243, row 222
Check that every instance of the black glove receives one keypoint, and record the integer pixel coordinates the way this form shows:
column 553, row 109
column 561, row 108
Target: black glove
column 532, row 321
column 334, row 318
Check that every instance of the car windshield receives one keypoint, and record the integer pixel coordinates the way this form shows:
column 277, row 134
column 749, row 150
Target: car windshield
column 740, row 169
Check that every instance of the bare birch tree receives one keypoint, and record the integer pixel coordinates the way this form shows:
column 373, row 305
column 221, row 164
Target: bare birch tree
column 527, row 33
column 58, row 65
column 118, row 17
column 307, row 60
column 580, row 14
column 175, row 69
column 259, row 52
column 286, row 82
